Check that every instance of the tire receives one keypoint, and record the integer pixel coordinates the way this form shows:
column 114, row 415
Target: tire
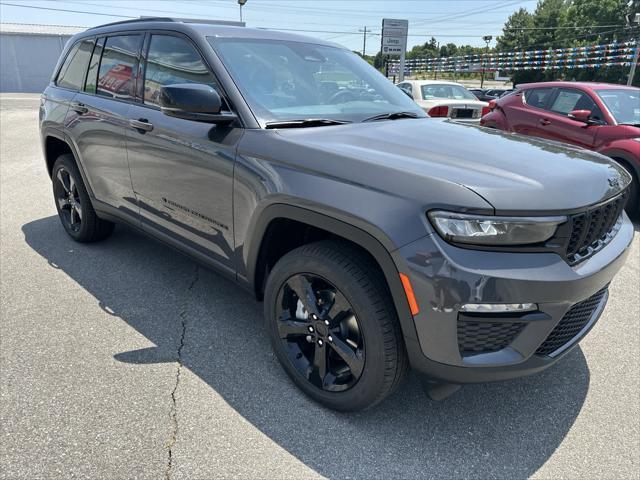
column 73, row 204
column 355, row 327
column 633, row 203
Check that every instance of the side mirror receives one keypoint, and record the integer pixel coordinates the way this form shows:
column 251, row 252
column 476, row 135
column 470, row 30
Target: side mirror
column 580, row 116
column 194, row 101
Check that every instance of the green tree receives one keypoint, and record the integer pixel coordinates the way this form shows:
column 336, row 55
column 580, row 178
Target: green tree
column 515, row 35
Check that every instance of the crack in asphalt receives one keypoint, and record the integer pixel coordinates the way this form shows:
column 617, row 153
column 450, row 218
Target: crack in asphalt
column 173, row 413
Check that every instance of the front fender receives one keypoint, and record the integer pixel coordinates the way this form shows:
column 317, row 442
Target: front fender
column 368, row 237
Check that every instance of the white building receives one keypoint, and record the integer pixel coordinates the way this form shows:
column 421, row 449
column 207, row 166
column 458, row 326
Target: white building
column 29, row 53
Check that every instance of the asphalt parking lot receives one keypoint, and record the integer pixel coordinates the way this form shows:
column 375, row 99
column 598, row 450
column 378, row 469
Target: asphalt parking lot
column 125, row 359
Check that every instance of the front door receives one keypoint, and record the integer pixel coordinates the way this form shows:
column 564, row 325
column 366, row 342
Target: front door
column 563, row 128
column 182, row 170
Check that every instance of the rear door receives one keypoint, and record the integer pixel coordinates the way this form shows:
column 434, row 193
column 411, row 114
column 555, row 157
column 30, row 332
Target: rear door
column 559, row 126
column 97, row 119
column 182, row 170
column 69, row 79
column 526, row 112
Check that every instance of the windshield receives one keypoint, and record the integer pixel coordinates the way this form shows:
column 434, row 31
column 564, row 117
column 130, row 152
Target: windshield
column 623, row 103
column 283, row 80
column 453, row 92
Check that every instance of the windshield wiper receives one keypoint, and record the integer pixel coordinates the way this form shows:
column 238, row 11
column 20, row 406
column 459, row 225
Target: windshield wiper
column 391, row 116
column 636, row 124
column 307, row 122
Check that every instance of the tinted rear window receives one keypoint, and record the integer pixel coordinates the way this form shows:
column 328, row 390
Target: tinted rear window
column 92, row 75
column 537, row 97
column 72, row 73
column 118, row 66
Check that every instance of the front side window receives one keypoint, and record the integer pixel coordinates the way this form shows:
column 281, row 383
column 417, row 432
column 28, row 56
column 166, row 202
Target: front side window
column 568, row 100
column 173, row 60
column 283, row 80
column 537, row 97
column 116, row 74
column 623, row 103
column 452, row 92
column 72, row 73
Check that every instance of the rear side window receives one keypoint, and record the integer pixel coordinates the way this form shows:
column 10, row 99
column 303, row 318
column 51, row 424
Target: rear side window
column 173, row 60
column 73, row 69
column 537, row 97
column 406, row 87
column 117, row 70
column 92, row 76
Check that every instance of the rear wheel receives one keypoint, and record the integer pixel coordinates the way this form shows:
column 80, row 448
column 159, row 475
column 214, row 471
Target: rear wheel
column 333, row 326
column 74, row 207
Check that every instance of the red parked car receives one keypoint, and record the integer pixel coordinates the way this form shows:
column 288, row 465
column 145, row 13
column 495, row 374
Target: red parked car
column 599, row 116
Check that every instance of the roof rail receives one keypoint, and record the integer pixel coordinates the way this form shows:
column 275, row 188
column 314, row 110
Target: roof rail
column 209, row 21
column 135, row 20
column 170, row 19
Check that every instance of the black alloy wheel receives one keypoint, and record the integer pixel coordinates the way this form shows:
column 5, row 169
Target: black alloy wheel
column 73, row 203
column 68, row 199
column 320, row 332
column 333, row 325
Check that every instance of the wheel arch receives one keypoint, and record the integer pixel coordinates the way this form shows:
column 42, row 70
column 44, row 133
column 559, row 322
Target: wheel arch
column 622, row 157
column 378, row 248
column 56, row 143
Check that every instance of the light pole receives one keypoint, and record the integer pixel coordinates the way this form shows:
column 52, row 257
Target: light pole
column 241, row 3
column 487, row 39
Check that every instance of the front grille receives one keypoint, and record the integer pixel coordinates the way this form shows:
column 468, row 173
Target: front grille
column 572, row 323
column 486, row 337
column 463, row 113
column 593, row 229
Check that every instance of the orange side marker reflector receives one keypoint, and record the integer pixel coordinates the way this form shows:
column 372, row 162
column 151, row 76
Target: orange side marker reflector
column 411, row 298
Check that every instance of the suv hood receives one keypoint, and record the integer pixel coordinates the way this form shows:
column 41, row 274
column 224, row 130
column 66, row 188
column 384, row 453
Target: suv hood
column 514, row 173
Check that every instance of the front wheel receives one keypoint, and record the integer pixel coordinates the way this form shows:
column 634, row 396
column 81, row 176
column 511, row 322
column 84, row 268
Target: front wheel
column 633, row 203
column 333, row 326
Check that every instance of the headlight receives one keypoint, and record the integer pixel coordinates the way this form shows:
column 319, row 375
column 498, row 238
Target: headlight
column 489, row 230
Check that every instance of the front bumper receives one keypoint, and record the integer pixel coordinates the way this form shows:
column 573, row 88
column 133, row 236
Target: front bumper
column 445, row 277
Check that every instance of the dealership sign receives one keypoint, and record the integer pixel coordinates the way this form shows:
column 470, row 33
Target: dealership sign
column 394, row 36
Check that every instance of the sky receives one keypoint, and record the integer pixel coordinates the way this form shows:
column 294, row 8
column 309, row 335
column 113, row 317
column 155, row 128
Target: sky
column 341, row 21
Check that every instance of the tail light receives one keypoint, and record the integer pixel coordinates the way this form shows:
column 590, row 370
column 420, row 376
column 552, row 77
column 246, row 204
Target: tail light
column 489, row 108
column 440, row 111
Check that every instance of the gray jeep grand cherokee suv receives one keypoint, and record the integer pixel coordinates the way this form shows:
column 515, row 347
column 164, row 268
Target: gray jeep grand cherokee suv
column 378, row 238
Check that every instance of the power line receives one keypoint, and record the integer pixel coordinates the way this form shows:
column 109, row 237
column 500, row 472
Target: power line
column 468, row 13
column 65, row 10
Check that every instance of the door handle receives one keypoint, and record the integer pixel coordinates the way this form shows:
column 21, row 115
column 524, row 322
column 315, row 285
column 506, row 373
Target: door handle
column 78, row 107
column 141, row 124
column 544, row 122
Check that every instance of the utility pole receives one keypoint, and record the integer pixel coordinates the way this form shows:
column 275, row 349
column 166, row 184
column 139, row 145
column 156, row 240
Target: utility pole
column 364, row 41
column 241, row 3
column 435, row 70
column 634, row 63
column 487, row 39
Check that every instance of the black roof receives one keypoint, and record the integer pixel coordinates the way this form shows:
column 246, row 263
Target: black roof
column 204, row 28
